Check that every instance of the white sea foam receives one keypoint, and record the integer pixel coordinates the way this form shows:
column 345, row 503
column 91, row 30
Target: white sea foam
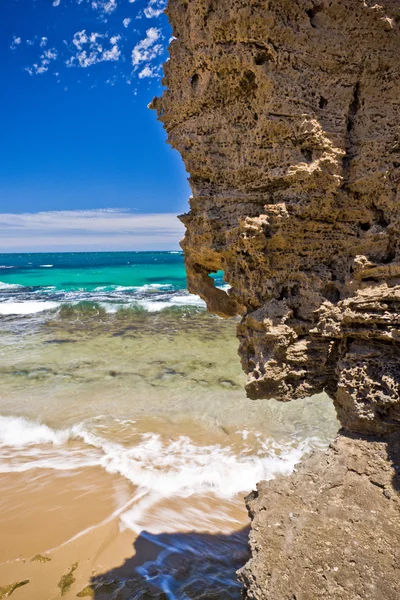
column 37, row 459
column 164, row 467
column 148, row 287
column 177, row 300
column 46, row 266
column 26, row 308
column 156, row 305
column 225, row 287
column 159, row 468
column 152, row 297
column 18, row 432
column 9, row 286
column 181, row 468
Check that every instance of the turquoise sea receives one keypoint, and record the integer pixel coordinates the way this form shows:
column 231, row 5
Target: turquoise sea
column 31, row 283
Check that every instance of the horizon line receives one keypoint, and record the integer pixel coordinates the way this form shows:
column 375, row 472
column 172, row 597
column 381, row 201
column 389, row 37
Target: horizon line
column 97, row 252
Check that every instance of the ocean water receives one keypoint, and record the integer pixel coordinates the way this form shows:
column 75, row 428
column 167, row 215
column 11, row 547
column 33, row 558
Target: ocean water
column 124, row 425
column 36, row 282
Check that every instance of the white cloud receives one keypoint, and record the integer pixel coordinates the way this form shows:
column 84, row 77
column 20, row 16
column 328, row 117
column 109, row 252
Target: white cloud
column 80, row 38
column 50, row 54
column 149, row 71
column 85, row 49
column 147, row 49
column 90, row 49
column 16, row 42
column 104, row 6
column 155, row 8
column 89, row 229
column 46, row 58
column 112, row 54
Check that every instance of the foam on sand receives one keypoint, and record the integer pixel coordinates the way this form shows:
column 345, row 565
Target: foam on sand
column 162, row 466
column 18, row 432
column 178, row 492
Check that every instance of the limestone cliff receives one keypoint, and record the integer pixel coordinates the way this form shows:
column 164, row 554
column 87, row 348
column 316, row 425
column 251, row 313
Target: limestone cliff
column 286, row 114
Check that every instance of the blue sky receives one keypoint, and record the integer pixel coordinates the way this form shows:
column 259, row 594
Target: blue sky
column 76, row 134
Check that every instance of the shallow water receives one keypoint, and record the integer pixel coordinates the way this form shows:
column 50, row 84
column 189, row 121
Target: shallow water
column 127, row 444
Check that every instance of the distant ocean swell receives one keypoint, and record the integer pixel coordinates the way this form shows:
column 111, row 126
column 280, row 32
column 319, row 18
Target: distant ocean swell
column 151, row 298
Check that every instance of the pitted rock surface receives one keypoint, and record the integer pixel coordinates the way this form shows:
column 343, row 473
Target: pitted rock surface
column 331, row 530
column 286, row 114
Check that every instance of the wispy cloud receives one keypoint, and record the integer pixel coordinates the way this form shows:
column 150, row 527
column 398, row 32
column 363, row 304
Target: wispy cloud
column 148, row 48
column 149, row 72
column 45, row 59
column 15, row 43
column 85, row 49
column 89, row 49
column 155, row 8
column 104, row 6
column 110, row 229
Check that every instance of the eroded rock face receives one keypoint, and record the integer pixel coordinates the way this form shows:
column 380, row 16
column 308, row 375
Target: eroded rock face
column 286, row 114
column 331, row 530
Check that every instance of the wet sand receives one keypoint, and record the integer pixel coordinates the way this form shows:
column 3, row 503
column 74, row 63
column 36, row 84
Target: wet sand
column 60, row 523
column 49, row 514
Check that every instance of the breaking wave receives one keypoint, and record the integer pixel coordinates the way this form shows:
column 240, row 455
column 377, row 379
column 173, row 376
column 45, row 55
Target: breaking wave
column 18, row 300
column 29, row 307
column 160, row 466
column 9, row 286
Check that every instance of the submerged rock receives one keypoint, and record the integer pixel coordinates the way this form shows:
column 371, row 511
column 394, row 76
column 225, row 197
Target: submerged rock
column 40, row 558
column 67, row 580
column 5, row 592
column 286, row 116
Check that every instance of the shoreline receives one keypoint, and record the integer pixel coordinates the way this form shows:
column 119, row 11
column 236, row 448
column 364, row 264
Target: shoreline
column 149, row 447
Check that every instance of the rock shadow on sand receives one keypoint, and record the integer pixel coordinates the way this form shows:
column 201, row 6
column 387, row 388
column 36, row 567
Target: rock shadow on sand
column 176, row 566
